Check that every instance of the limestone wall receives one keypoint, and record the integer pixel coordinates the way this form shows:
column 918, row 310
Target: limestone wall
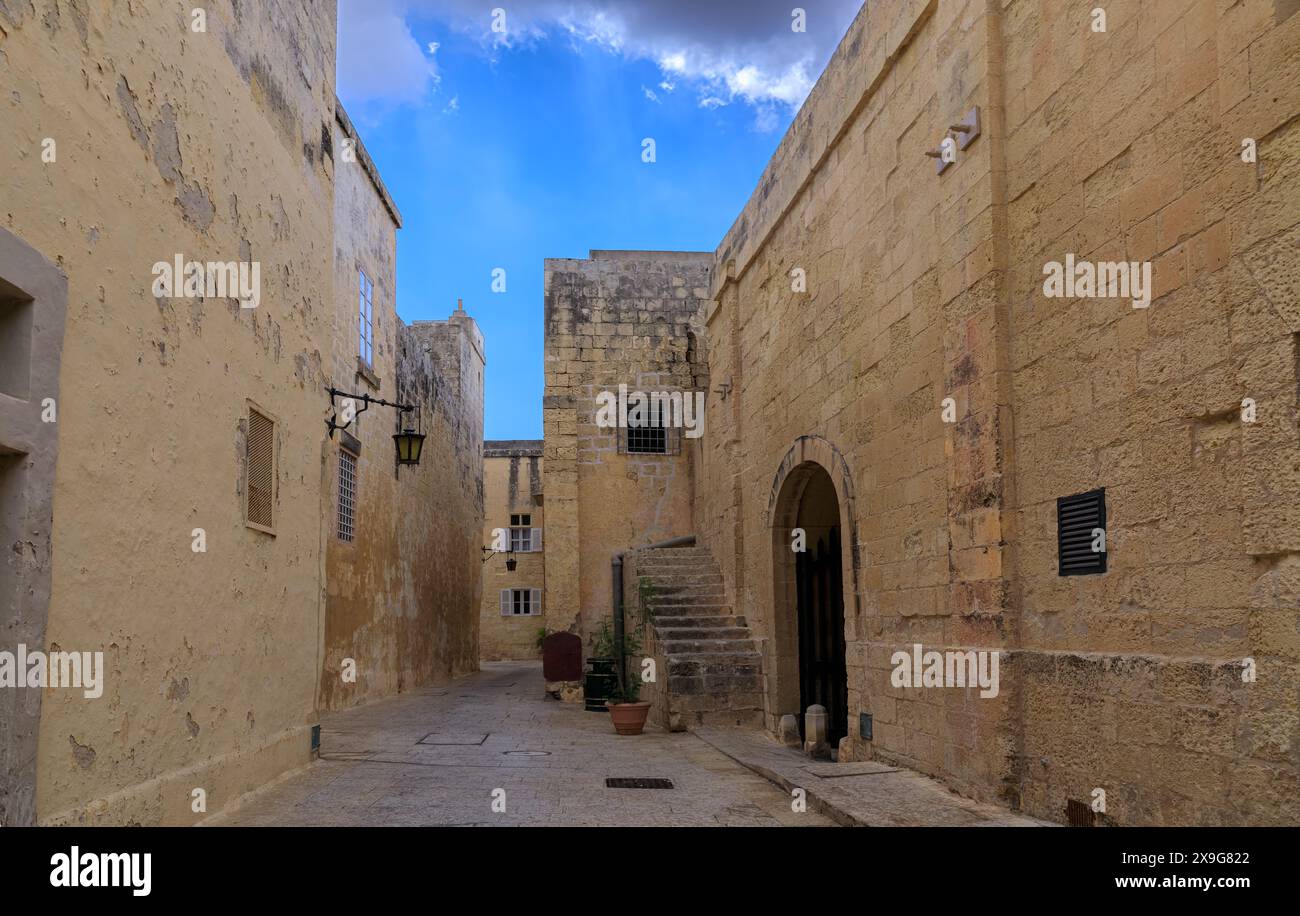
column 921, row 286
column 512, row 483
column 621, row 317
column 208, row 145
column 1134, row 682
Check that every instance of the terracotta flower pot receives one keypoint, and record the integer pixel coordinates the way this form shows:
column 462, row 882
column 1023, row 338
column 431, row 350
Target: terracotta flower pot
column 629, row 718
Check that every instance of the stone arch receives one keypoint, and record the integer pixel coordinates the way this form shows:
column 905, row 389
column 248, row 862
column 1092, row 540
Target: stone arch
column 805, row 461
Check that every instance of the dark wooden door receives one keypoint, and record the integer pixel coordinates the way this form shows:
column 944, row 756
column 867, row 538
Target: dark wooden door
column 823, row 673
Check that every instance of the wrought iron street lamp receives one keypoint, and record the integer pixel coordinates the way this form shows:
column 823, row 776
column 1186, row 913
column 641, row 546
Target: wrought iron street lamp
column 511, row 562
column 409, row 442
column 409, row 445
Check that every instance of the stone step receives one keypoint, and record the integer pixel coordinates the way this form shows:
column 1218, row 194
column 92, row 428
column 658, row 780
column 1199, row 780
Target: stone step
column 657, row 552
column 692, row 599
column 669, row 635
column 688, row 610
column 704, row 664
column 694, row 621
column 700, row 623
column 688, row 586
column 668, row 583
column 669, row 562
column 676, row 648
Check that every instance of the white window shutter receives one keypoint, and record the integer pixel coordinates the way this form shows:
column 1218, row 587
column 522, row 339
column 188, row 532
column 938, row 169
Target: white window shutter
column 505, row 602
column 537, row 540
column 535, row 601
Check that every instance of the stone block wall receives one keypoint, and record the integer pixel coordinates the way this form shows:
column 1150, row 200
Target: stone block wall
column 1122, row 144
column 620, row 317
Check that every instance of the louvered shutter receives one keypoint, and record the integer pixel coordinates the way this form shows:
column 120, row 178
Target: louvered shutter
column 1076, row 518
column 505, row 602
column 259, row 454
column 536, row 539
column 535, row 600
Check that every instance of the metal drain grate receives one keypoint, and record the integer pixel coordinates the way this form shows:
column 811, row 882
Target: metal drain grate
column 447, row 740
column 637, row 782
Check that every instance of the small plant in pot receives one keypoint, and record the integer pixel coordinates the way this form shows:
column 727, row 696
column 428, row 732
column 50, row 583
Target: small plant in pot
column 626, row 709
column 603, row 656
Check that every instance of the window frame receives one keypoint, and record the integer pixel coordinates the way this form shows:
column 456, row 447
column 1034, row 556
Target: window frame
column 365, row 319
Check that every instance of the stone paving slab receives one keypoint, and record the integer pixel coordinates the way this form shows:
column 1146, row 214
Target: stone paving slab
column 860, row 794
column 374, row 770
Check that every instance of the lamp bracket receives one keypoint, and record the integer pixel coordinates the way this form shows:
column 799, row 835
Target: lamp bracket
column 365, row 400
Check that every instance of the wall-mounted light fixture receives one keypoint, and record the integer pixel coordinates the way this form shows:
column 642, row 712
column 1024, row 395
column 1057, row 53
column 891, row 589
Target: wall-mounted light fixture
column 511, row 562
column 409, row 442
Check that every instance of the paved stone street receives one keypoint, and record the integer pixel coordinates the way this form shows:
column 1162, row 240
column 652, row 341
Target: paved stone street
column 435, row 756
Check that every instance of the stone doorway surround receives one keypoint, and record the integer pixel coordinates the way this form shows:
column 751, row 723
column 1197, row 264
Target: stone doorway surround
column 33, row 305
column 806, row 457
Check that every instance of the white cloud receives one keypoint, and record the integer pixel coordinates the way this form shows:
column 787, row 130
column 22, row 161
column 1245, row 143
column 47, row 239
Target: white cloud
column 650, row 94
column 379, row 59
column 725, row 49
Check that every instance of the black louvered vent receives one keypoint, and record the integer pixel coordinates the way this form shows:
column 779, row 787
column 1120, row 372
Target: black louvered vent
column 1076, row 519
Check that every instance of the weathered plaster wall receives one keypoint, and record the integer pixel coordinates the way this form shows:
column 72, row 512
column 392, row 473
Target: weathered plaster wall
column 925, row 286
column 212, row 657
column 512, row 479
column 621, row 317
column 403, row 596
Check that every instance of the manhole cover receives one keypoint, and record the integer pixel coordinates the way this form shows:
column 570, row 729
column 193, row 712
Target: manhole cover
column 637, row 782
column 452, row 740
column 526, row 753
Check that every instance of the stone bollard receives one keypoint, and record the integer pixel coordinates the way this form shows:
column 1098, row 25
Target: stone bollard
column 815, row 725
column 790, row 731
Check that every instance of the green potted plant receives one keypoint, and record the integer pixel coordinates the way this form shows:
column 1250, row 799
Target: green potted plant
column 626, row 709
column 603, row 656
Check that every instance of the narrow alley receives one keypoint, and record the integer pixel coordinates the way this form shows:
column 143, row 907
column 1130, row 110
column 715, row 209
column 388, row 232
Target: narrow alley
column 435, row 757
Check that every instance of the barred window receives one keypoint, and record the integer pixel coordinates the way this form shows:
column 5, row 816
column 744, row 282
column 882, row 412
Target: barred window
column 347, row 495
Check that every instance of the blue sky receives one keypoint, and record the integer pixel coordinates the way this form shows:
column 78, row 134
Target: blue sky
column 503, row 148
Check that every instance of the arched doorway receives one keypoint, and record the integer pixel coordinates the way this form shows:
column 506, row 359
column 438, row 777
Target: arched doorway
column 819, row 601
column 807, row 509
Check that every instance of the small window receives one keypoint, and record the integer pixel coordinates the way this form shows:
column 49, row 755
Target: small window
column 347, row 495
column 521, row 602
column 1081, row 534
column 651, row 436
column 523, row 537
column 366, row 317
column 259, row 464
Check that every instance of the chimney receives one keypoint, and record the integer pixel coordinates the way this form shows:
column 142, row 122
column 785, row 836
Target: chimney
column 460, row 308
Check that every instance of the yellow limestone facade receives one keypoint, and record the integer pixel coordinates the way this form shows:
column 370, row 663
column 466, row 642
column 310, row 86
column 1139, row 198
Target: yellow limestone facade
column 883, row 358
column 219, row 602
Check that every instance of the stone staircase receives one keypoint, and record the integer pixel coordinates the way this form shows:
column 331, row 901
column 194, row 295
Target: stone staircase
column 711, row 667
